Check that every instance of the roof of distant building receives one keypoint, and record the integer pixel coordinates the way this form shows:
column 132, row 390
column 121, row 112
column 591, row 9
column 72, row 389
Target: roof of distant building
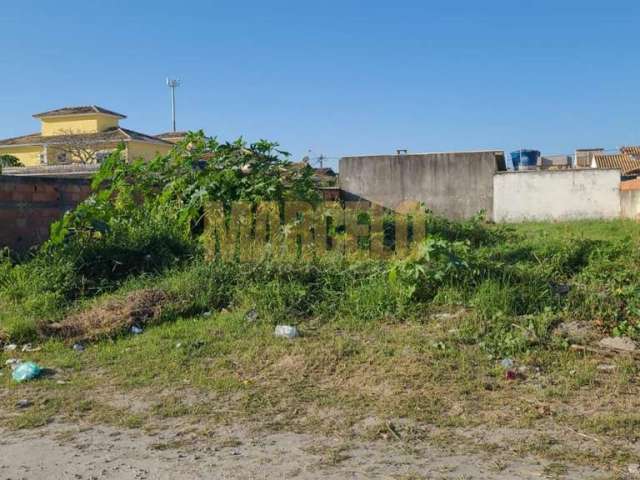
column 626, row 163
column 558, row 160
column 172, row 135
column 325, row 172
column 111, row 135
column 631, row 150
column 584, row 156
column 82, row 110
column 630, row 185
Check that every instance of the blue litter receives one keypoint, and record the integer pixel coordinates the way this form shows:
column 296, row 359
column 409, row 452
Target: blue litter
column 507, row 363
column 26, row 371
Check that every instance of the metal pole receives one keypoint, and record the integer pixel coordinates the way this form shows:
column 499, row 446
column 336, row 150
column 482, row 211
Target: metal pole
column 173, row 84
column 173, row 107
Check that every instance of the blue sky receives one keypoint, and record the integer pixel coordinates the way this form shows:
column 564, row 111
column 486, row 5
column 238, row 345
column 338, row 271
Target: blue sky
column 337, row 77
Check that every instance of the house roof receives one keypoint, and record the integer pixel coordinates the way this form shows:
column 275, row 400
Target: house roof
column 172, row 135
column 111, row 135
column 325, row 171
column 630, row 185
column 319, row 174
column 82, row 110
column 631, row 150
column 626, row 163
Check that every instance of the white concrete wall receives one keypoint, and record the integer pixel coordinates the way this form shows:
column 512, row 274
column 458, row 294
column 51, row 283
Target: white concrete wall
column 556, row 195
column 630, row 204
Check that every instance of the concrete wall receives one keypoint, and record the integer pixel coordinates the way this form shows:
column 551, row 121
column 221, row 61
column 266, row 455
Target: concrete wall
column 556, row 195
column 29, row 205
column 59, row 171
column 456, row 185
column 630, row 204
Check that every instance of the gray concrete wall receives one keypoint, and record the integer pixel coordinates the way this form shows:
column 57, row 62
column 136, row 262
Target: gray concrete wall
column 630, row 204
column 556, row 195
column 456, row 185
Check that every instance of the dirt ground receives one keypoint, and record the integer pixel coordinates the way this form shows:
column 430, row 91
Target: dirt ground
column 61, row 451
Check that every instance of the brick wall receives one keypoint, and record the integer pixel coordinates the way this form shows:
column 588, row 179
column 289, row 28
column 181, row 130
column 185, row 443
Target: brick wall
column 29, row 205
column 330, row 194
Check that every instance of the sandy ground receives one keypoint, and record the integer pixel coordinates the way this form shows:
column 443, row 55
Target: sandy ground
column 72, row 452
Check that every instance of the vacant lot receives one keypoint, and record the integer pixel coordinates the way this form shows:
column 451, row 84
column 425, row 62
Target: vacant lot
column 459, row 361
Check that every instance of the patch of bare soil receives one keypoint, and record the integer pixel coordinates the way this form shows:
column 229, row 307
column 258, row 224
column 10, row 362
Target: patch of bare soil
column 236, row 452
column 111, row 317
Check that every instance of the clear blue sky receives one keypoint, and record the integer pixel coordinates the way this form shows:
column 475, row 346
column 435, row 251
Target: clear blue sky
column 337, row 77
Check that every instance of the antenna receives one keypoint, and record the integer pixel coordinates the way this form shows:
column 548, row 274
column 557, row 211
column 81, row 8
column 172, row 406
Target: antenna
column 319, row 159
column 173, row 84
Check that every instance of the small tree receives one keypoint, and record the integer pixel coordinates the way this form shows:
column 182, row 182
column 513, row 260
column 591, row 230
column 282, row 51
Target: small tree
column 77, row 147
column 9, row 161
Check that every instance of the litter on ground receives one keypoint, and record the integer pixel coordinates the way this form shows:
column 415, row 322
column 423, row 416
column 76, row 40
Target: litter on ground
column 286, row 331
column 26, row 371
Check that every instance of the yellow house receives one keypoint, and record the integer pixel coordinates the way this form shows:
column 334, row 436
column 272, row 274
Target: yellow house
column 81, row 135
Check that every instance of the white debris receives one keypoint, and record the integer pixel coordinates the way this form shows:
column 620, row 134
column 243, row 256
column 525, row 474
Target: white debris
column 13, row 363
column 287, row 331
column 605, row 367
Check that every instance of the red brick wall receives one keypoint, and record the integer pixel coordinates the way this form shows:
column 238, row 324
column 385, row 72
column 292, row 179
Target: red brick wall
column 331, row 194
column 29, row 205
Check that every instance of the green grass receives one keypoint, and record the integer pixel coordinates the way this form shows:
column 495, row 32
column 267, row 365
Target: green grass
column 582, row 229
column 417, row 339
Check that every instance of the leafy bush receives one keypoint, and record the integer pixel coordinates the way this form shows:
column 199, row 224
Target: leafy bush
column 176, row 188
column 145, row 217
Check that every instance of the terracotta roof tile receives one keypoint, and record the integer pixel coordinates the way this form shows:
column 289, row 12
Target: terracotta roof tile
column 631, row 150
column 630, row 184
column 626, row 163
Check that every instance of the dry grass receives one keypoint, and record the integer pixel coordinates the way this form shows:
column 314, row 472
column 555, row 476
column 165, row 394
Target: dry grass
column 110, row 318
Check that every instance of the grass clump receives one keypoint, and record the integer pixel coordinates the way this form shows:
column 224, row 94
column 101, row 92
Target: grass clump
column 515, row 288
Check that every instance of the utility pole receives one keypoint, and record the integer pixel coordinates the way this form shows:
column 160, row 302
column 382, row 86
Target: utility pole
column 173, row 84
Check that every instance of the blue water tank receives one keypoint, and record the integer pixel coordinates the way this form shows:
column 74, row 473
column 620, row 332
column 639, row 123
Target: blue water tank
column 525, row 159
